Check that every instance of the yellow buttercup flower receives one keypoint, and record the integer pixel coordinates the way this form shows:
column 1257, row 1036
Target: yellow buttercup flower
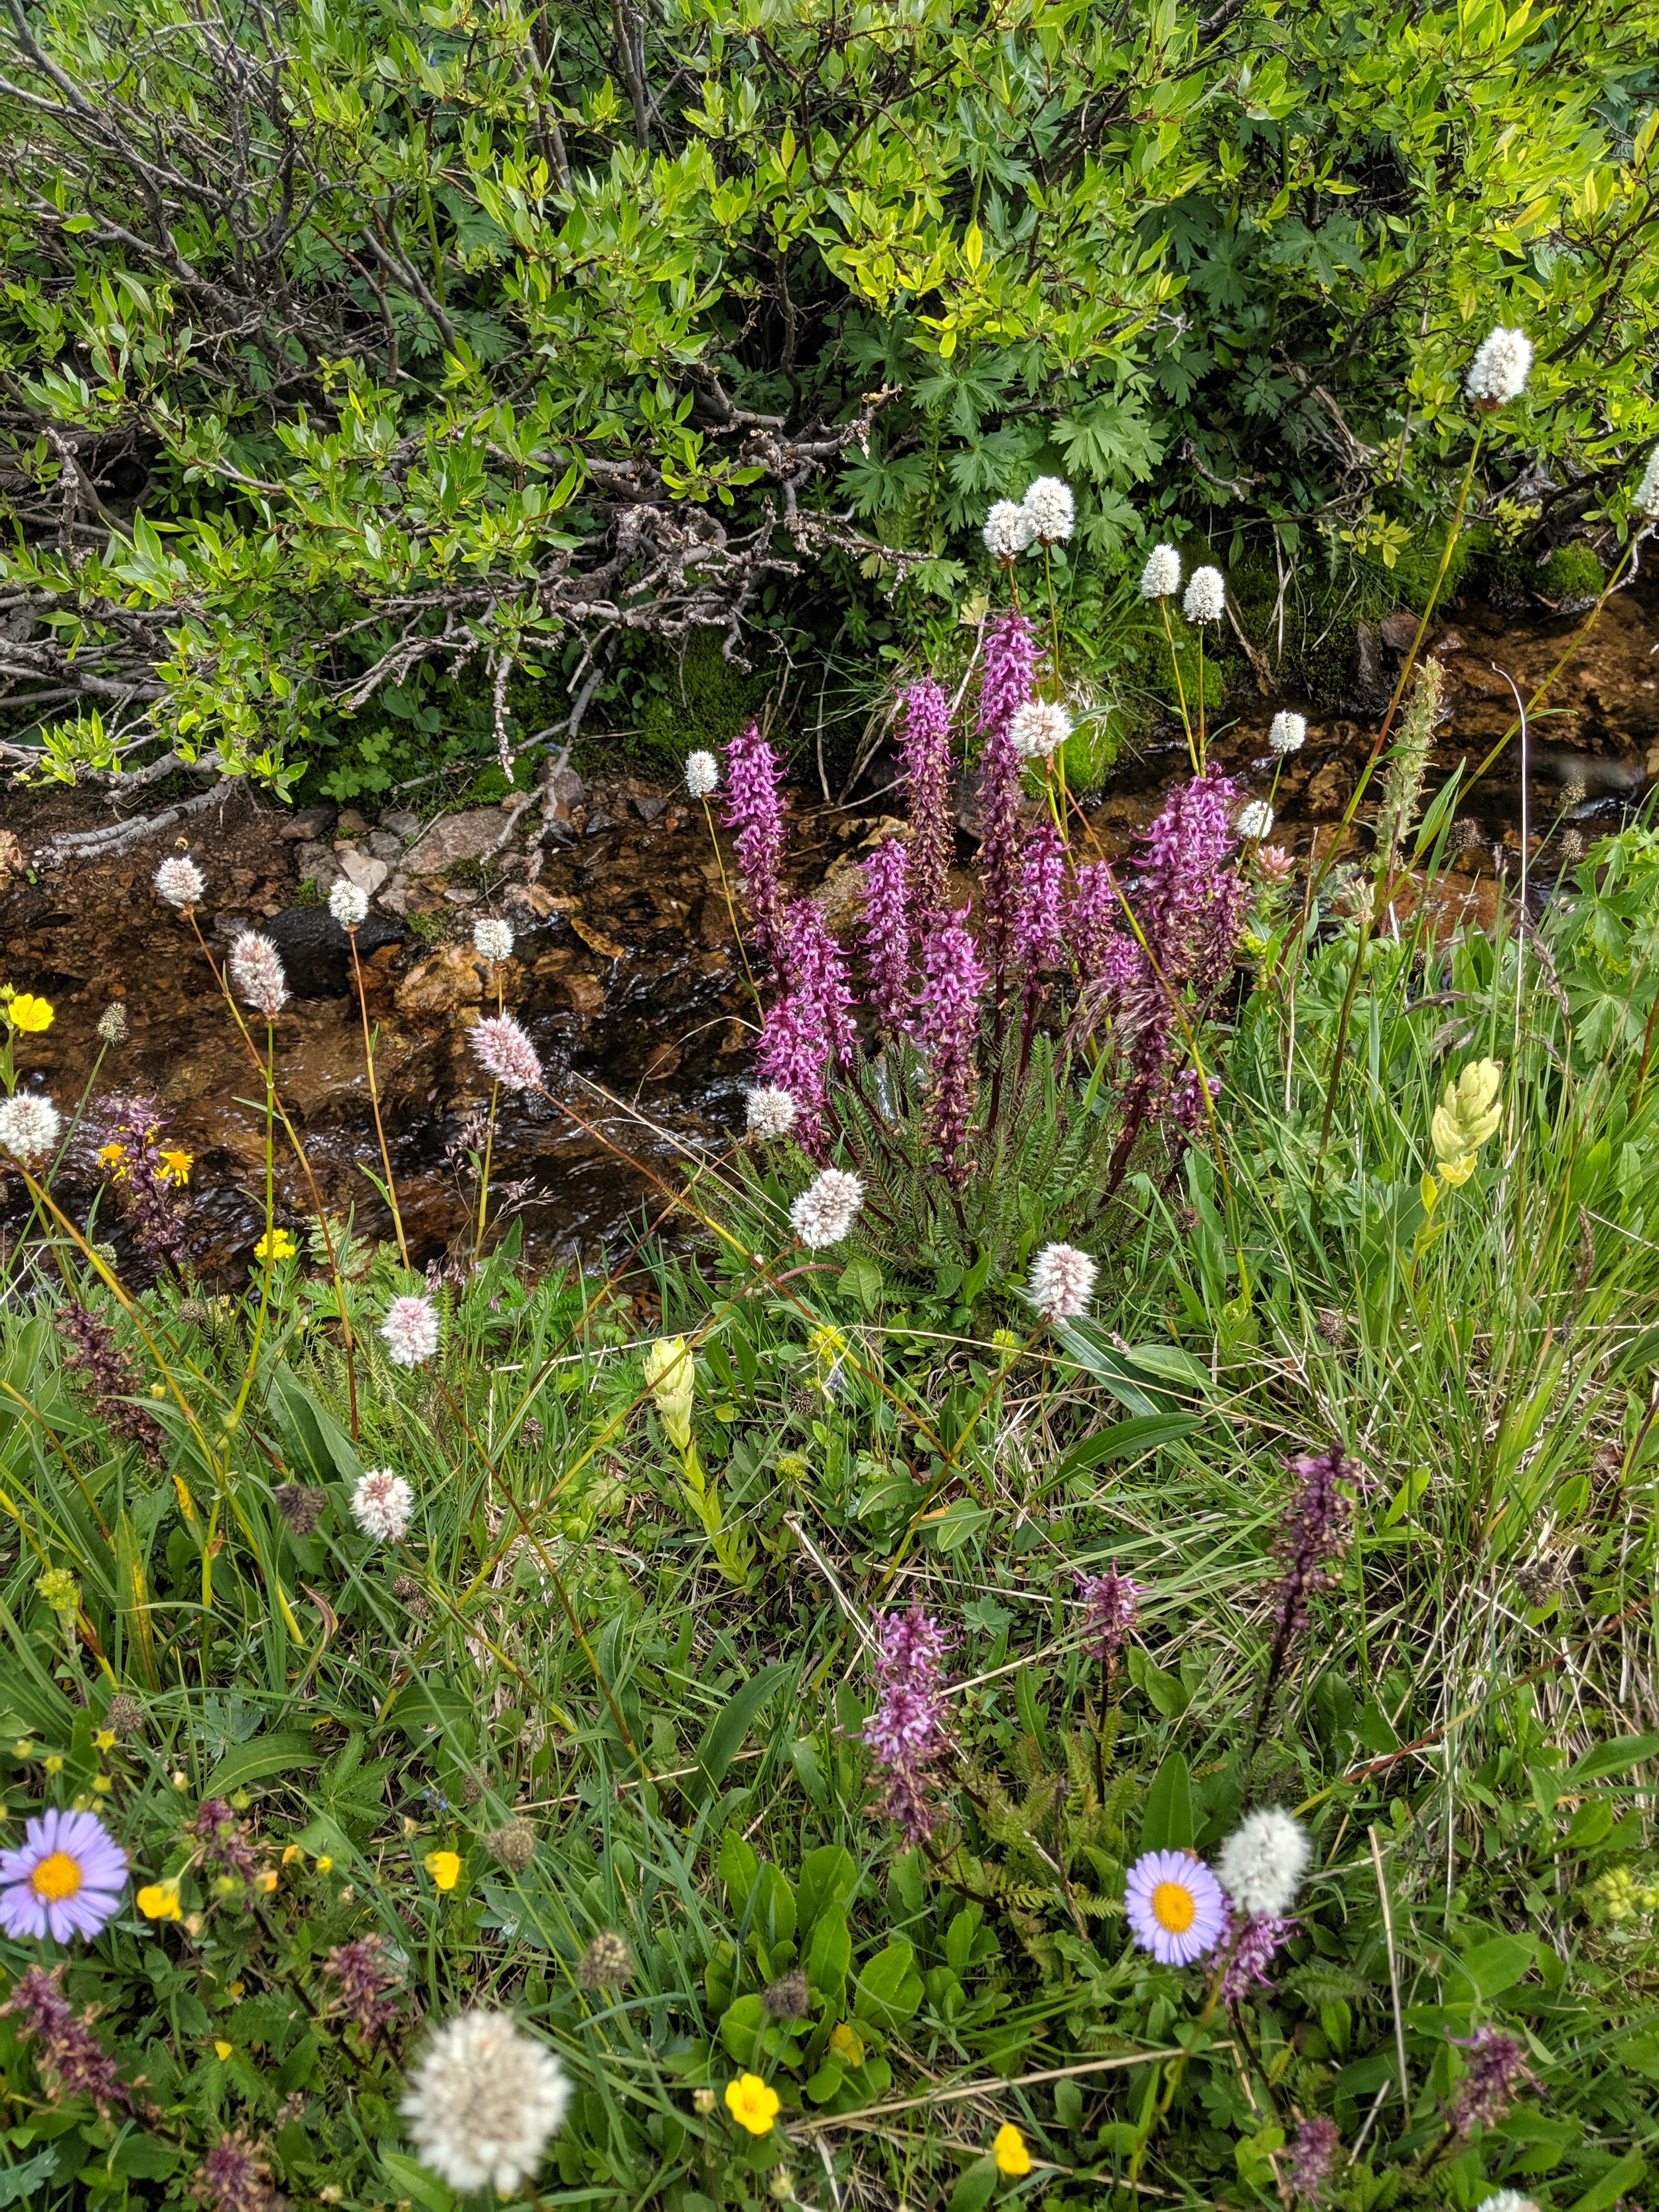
column 26, row 1011
column 174, row 1166
column 159, row 1900
column 266, row 1881
column 846, row 2043
column 224, row 2051
column 444, row 1867
column 275, row 1244
column 752, row 2103
column 1009, row 2151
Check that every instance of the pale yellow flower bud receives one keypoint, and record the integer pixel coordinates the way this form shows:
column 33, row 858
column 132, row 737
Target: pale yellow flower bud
column 671, row 1381
column 1465, row 1118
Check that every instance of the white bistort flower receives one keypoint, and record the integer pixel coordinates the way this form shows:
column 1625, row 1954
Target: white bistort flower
column 180, row 882
column 1262, row 1863
column 1050, row 509
column 1007, row 529
column 256, row 969
column 827, row 1209
column 1498, row 373
column 1507, row 2200
column 411, row 1330
column 772, row 1112
column 1255, row 820
column 1062, row 1279
column 348, row 904
column 29, row 1126
column 1041, row 728
column 1207, row 596
column 381, row 1504
column 482, row 2101
column 702, row 775
column 1162, row 573
column 1647, row 492
column 492, row 940
column 1289, row 733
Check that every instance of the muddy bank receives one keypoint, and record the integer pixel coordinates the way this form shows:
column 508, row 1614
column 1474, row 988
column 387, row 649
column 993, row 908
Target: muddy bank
column 625, row 967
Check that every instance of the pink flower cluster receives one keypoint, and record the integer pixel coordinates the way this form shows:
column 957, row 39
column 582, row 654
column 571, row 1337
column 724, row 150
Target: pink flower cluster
column 907, row 1731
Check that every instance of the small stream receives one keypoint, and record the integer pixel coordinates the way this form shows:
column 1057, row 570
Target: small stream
column 625, row 969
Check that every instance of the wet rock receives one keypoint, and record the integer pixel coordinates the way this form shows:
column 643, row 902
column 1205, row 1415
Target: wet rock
column 1371, row 686
column 440, row 985
column 586, row 993
column 1327, row 789
column 1398, row 631
column 566, row 789
column 649, row 807
column 455, row 837
column 309, row 822
column 597, row 941
column 316, row 951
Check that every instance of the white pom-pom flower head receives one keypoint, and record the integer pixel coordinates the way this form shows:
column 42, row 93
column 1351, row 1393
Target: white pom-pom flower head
column 348, row 904
column 1262, row 1863
column 1289, row 733
column 772, row 1113
column 1039, row 729
column 492, row 940
column 1498, row 373
column 702, row 775
column 409, row 1331
column 481, row 2102
column 30, row 1125
column 180, row 882
column 1207, row 596
column 1256, row 821
column 1647, row 492
column 256, row 969
column 381, row 1504
column 1162, row 574
column 1050, row 510
column 1007, row 531
column 1062, row 1281
column 827, row 1209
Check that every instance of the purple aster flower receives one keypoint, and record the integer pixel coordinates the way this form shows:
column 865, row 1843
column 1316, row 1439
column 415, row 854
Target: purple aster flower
column 809, row 1026
column 1005, row 680
column 887, row 929
column 1496, row 2070
column 1177, row 1908
column 927, row 773
column 68, row 2053
column 754, row 808
column 1309, row 2155
column 64, row 1879
column 947, row 1029
column 1254, row 1939
column 907, row 1731
column 1111, row 1605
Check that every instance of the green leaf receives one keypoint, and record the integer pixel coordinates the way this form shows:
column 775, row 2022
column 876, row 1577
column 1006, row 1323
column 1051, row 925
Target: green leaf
column 738, row 1864
column 975, row 2189
column 830, row 1957
column 890, row 1989
column 1618, row 2181
column 1497, row 1966
column 1615, row 1757
column 723, row 1739
column 828, row 1877
column 742, row 2025
column 1088, row 1347
column 18, row 2183
column 413, row 2181
column 862, row 1280
column 1171, row 1364
column 1167, row 1693
column 276, row 1754
column 1167, row 1825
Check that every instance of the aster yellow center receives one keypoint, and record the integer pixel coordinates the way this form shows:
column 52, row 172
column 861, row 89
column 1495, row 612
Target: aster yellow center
column 1173, row 1907
column 56, row 1878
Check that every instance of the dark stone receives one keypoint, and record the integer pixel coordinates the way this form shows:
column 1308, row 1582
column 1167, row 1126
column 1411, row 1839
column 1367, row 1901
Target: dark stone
column 315, row 950
column 309, row 822
column 648, row 808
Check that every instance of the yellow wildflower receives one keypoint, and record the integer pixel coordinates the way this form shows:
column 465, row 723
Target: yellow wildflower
column 222, row 2050
column 752, row 2103
column 59, row 1588
column 102, row 1782
column 55, row 1763
column 672, row 1384
column 265, row 1880
column 323, row 1861
column 159, row 1900
column 113, row 1157
column 444, row 1867
column 847, row 2043
column 104, row 1739
column 275, row 1244
column 1009, row 2151
column 174, row 1166
column 1464, row 1119
column 26, row 1011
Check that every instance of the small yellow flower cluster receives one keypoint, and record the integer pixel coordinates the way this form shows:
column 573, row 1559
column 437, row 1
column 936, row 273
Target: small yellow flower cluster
column 275, row 1244
column 1619, row 1897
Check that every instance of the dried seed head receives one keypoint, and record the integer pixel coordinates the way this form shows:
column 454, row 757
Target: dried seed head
column 406, row 1588
column 606, row 1964
column 125, row 1716
column 789, row 1997
column 300, row 1506
column 113, row 1022
column 1333, row 1326
column 513, row 1844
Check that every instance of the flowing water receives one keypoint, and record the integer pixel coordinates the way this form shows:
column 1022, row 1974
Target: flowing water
column 626, row 970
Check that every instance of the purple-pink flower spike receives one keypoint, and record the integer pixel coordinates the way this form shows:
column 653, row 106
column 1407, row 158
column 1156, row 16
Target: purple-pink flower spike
column 754, row 809
column 1254, row 1939
column 887, row 883
column 1192, row 902
column 1111, row 1605
column 1309, row 2155
column 1005, row 681
column 1037, row 918
column 809, row 1022
column 949, row 1025
column 907, row 1731
column 928, row 775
